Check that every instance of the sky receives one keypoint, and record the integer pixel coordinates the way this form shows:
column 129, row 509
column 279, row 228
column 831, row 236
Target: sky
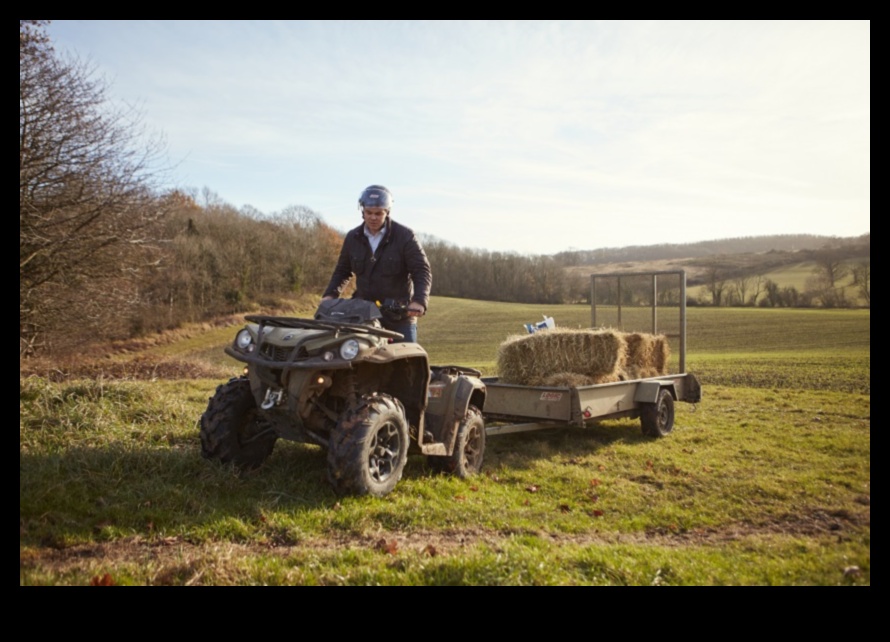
column 534, row 137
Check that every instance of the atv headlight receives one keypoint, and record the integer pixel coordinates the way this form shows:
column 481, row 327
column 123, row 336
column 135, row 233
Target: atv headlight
column 243, row 341
column 349, row 349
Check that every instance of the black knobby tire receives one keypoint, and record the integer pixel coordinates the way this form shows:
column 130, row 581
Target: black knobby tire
column 369, row 447
column 232, row 430
column 469, row 448
column 657, row 419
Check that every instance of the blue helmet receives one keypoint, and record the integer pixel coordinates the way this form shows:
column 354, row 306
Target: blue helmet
column 376, row 196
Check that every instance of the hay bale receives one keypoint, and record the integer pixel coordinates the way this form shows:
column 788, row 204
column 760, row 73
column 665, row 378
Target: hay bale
column 562, row 357
column 647, row 355
column 609, row 378
column 531, row 359
column 639, row 348
column 637, row 372
column 661, row 353
column 568, row 380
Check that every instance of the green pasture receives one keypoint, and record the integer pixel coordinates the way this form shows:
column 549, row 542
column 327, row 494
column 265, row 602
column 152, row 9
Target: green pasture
column 781, row 347
column 765, row 482
column 469, row 332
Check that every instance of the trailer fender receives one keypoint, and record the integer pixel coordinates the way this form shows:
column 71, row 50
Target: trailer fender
column 450, row 396
column 691, row 388
column 647, row 391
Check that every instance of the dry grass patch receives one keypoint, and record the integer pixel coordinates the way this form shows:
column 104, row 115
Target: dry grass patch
column 141, row 368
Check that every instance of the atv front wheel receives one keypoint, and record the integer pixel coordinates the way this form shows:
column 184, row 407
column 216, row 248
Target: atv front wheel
column 469, row 448
column 369, row 447
column 232, row 430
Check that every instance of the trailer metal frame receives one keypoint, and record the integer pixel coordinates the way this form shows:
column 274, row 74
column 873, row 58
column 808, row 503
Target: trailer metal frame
column 516, row 408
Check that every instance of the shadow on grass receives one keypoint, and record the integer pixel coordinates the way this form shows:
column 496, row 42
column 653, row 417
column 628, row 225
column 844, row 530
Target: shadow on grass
column 95, row 493
column 568, row 440
column 84, row 492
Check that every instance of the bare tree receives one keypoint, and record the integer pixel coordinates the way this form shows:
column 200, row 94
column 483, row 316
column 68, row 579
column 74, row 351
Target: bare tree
column 772, row 296
column 819, row 288
column 756, row 288
column 33, row 40
column 742, row 284
column 830, row 269
column 715, row 284
column 831, row 265
column 862, row 280
column 85, row 201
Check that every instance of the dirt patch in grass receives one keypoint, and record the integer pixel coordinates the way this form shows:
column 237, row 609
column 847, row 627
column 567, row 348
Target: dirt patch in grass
column 181, row 562
column 808, row 525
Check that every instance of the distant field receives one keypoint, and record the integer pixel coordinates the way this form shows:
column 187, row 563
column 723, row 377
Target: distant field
column 786, row 348
column 793, row 275
column 796, row 276
column 817, row 349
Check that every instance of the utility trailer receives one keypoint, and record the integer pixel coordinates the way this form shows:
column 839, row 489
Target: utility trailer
column 511, row 408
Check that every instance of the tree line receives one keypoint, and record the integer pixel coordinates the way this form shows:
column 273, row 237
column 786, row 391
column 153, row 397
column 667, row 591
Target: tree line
column 501, row 276
column 773, row 244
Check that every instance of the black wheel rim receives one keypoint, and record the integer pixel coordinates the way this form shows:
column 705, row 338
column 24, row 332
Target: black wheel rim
column 473, row 448
column 383, row 457
column 665, row 416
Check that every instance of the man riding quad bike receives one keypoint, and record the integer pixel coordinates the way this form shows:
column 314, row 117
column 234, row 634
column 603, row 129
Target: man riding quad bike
column 340, row 382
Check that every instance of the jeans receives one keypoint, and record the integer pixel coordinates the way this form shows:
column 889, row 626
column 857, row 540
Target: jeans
column 405, row 327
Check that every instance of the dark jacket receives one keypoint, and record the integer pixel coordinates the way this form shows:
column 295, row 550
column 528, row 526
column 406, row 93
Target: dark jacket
column 398, row 270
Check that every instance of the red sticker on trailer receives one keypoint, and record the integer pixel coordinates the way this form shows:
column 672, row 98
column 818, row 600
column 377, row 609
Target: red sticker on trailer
column 436, row 391
column 551, row 396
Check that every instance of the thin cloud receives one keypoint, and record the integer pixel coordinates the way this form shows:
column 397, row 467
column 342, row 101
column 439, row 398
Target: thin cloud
column 520, row 136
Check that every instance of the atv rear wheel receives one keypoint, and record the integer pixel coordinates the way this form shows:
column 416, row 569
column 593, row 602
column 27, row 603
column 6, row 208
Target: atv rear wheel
column 232, row 430
column 369, row 447
column 469, row 448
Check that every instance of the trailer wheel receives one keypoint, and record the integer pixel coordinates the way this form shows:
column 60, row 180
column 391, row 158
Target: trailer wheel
column 369, row 447
column 469, row 448
column 657, row 419
column 232, row 429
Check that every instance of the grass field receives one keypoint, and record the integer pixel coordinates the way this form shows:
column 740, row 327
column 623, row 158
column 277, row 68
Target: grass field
column 784, row 348
column 765, row 482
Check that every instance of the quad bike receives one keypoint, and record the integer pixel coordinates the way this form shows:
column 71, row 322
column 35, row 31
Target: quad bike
column 339, row 381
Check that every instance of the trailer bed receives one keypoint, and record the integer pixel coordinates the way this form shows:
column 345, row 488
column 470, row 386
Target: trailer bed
column 533, row 407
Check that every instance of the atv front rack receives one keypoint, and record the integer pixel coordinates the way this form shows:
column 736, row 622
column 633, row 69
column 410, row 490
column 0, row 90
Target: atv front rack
column 315, row 324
